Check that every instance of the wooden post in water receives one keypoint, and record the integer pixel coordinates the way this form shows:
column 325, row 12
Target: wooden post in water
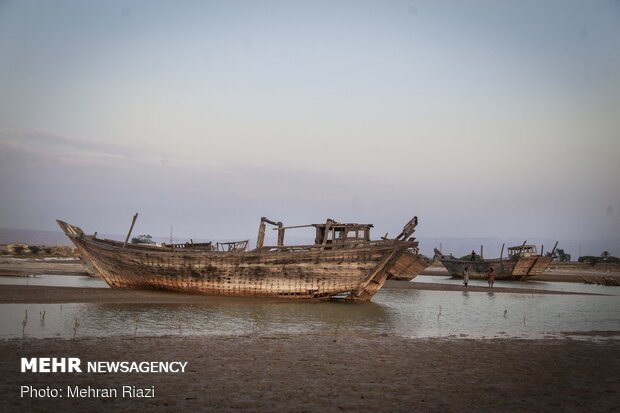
column 133, row 222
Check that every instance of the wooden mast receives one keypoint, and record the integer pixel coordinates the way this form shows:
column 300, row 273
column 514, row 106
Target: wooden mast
column 133, row 222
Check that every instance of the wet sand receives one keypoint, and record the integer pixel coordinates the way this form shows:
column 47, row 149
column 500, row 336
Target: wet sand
column 14, row 294
column 323, row 371
column 331, row 373
column 21, row 267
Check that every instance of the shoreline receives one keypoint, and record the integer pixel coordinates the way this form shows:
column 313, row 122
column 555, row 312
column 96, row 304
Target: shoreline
column 556, row 272
column 22, row 294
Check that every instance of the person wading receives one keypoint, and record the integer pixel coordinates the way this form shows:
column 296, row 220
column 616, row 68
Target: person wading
column 491, row 277
column 466, row 276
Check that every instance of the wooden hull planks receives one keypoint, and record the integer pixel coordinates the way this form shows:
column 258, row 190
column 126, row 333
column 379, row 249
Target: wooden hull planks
column 505, row 269
column 297, row 272
column 408, row 266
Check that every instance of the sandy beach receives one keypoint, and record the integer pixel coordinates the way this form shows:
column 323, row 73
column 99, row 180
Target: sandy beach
column 328, row 372
column 20, row 267
column 14, row 294
column 319, row 371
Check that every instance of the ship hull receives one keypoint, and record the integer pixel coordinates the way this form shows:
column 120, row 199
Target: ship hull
column 505, row 269
column 303, row 273
column 408, row 266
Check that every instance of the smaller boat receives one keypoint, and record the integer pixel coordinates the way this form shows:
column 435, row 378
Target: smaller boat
column 522, row 262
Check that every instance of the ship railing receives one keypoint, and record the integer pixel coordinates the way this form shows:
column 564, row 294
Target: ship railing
column 329, row 246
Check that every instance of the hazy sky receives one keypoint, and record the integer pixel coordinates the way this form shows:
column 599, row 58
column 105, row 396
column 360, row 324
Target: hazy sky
column 485, row 119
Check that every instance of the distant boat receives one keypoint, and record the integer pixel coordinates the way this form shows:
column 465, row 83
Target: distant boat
column 343, row 260
column 522, row 262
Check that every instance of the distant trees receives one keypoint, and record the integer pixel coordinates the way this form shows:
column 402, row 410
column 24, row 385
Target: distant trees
column 560, row 255
column 143, row 239
column 605, row 257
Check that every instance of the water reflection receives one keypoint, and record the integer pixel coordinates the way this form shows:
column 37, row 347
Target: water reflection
column 48, row 280
column 399, row 312
column 529, row 284
column 230, row 317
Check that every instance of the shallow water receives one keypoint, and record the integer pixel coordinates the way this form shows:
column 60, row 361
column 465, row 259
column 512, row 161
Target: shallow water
column 529, row 284
column 398, row 312
column 47, row 280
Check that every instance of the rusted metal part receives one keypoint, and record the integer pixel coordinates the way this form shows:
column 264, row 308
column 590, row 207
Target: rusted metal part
column 337, row 265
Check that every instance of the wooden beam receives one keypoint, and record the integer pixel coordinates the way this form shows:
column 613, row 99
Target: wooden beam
column 133, row 222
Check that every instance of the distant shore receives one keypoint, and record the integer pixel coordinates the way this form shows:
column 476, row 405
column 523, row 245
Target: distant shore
column 19, row 267
column 557, row 272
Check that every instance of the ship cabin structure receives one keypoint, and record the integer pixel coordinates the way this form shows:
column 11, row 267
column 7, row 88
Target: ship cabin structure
column 328, row 235
column 522, row 251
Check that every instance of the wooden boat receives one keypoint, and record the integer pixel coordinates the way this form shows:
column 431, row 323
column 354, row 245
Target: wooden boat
column 522, row 262
column 342, row 261
column 409, row 265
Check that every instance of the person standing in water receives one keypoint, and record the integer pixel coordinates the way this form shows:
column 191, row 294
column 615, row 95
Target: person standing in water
column 466, row 276
column 491, row 277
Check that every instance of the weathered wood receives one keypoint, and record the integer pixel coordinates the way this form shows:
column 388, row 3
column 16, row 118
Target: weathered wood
column 408, row 266
column 554, row 247
column 357, row 268
column 521, row 263
column 260, row 240
column 296, row 226
column 133, row 222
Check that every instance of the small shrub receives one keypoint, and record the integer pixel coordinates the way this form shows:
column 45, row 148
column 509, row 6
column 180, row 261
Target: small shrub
column 142, row 239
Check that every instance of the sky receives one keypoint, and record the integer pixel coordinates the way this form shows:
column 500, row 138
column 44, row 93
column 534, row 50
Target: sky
column 483, row 118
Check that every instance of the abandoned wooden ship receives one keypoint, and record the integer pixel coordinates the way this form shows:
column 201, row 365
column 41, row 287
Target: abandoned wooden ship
column 342, row 261
column 522, row 262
